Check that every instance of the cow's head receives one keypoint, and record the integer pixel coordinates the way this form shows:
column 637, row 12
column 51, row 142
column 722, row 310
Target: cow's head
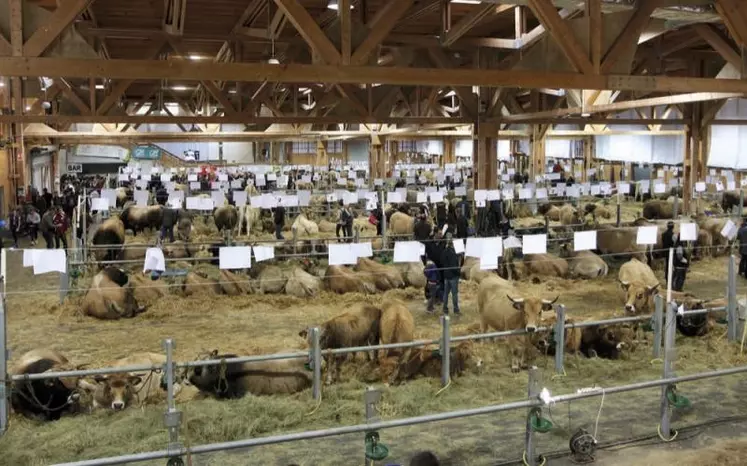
column 531, row 309
column 638, row 297
column 114, row 391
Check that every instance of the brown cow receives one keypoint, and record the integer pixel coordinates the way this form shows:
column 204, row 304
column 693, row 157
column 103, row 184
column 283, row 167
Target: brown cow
column 584, row 264
column 598, row 211
column 640, row 285
column 340, row 279
column 619, row 242
column 655, row 209
column 385, row 277
column 197, row 282
column 360, row 327
column 545, row 264
column 397, row 324
column 111, row 296
column 426, row 362
column 569, row 215
column 118, row 391
column 522, row 313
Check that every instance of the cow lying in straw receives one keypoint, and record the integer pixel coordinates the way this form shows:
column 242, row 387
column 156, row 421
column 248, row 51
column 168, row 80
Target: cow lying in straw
column 426, row 362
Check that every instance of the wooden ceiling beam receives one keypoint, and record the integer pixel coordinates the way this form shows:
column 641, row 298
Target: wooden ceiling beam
column 380, row 27
column 346, row 41
column 74, row 98
column 308, row 28
column 348, row 94
column 719, row 43
column 48, row 95
column 218, row 95
column 627, row 105
column 396, row 75
column 60, row 20
column 5, row 48
column 121, row 87
column 596, row 33
column 472, row 19
column 630, row 33
column 563, row 34
column 734, row 15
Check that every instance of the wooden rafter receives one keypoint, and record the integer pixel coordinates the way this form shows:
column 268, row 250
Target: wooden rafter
column 398, row 75
column 60, row 20
column 563, row 34
column 380, row 27
column 630, row 33
column 140, row 105
column 74, row 98
column 47, row 96
column 719, row 43
column 122, row 86
column 734, row 14
column 472, row 19
column 308, row 28
column 5, row 48
column 467, row 98
column 627, row 105
column 596, row 25
column 345, row 31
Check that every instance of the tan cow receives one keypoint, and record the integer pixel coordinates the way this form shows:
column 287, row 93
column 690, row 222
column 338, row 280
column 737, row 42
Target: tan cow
column 302, row 284
column 197, row 282
column 397, row 325
column 640, row 285
column 304, row 226
column 401, row 224
column 118, row 391
column 413, row 274
column 385, row 277
column 569, row 215
column 545, row 265
column 426, row 362
column 584, row 264
column 619, row 242
column 360, row 327
column 339, row 279
column 655, row 209
column 516, row 313
column 111, row 296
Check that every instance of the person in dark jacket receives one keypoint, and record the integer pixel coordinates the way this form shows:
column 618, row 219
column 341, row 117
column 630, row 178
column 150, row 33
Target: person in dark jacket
column 667, row 242
column 450, row 267
column 48, row 198
column 47, row 228
column 279, row 219
column 15, row 224
column 742, row 236
column 462, row 226
column 440, row 215
column 61, row 225
column 431, row 286
column 680, row 263
column 378, row 215
column 464, row 207
column 170, row 217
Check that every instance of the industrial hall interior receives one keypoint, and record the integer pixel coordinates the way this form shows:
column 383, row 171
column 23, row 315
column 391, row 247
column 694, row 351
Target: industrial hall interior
column 373, row 232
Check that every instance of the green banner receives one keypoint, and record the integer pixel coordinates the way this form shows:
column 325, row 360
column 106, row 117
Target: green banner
column 146, row 153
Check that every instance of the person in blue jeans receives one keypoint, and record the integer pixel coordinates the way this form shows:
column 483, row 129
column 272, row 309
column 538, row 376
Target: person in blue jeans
column 431, row 286
column 450, row 273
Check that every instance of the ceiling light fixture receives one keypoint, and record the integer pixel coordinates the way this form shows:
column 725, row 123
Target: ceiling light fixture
column 333, row 5
column 272, row 60
column 195, row 57
column 99, row 86
column 179, row 88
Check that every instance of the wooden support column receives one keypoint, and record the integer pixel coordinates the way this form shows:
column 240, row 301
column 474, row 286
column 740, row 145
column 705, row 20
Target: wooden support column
column 588, row 156
column 16, row 153
column 485, row 159
column 537, row 144
column 321, row 154
column 449, row 151
column 377, row 157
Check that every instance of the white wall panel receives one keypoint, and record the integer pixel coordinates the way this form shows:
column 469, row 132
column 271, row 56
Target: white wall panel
column 729, row 143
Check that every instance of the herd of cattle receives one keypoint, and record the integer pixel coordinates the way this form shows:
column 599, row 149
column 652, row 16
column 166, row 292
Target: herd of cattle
column 115, row 293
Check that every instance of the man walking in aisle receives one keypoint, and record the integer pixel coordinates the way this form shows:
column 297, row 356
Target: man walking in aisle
column 451, row 274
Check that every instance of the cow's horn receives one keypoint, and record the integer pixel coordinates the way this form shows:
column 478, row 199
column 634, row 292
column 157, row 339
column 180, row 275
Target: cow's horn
column 515, row 300
column 547, row 301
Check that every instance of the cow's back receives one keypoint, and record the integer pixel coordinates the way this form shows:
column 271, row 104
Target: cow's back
column 279, row 377
column 636, row 271
column 397, row 323
column 546, row 264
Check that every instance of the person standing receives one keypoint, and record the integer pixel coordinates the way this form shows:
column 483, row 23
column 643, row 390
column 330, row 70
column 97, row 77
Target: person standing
column 60, row 227
column 378, row 217
column 340, row 222
column 33, row 219
column 47, row 196
column 279, row 218
column 742, row 235
column 667, row 242
column 47, row 228
column 347, row 225
column 462, row 225
column 170, row 217
column 16, row 222
column 680, row 264
column 440, row 215
column 431, row 287
column 451, row 274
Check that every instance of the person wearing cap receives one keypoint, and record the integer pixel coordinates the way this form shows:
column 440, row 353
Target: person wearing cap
column 667, row 242
column 451, row 272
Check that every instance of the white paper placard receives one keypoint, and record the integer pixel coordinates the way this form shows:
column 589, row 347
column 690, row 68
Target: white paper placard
column 342, row 254
column 436, row 197
column 541, row 193
column 192, row 177
column 508, row 194
column 493, row 195
column 458, row 246
column 239, row 198
column 596, row 190
column 123, row 177
column 218, row 198
column 511, row 242
column 700, row 187
column 460, row 191
column 584, row 240
column 99, row 204
column 525, row 193
column 194, row 186
column 730, row 230
column 719, row 186
column 647, row 235
column 363, row 249
column 193, row 203
column 393, row 198
column 473, row 247
column 28, row 257
column 154, row 260
column 407, row 251
column 141, row 198
column 235, row 257
column 688, row 232
column 49, row 260
column 731, row 185
column 623, row 188
column 422, row 198
column 263, row 253
column 534, row 244
column 165, row 177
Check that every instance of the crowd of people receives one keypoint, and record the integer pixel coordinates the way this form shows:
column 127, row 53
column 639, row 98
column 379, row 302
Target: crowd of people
column 43, row 213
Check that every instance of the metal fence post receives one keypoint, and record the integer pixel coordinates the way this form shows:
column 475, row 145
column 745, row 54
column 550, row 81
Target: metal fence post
column 370, row 398
column 172, row 418
column 669, row 355
column 4, row 377
column 383, row 221
column 675, row 207
column 731, row 294
column 445, row 351
column 294, row 230
column 85, row 226
column 658, row 314
column 533, row 392
column 316, row 360
column 559, row 338
column 65, row 279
